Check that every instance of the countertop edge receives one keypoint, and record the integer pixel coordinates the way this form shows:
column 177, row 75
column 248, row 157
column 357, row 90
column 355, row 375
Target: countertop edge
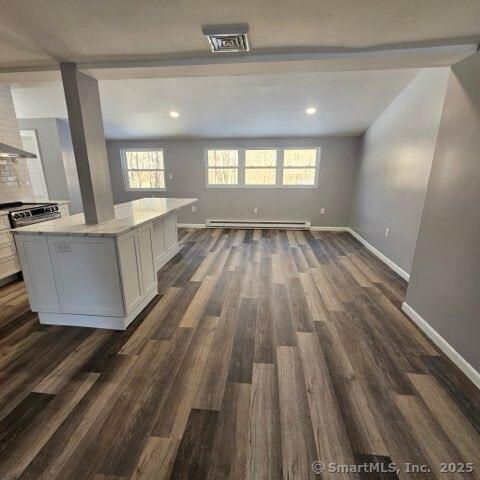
column 19, row 231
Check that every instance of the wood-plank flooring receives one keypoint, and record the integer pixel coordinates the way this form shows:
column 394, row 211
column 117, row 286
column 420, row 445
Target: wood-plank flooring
column 265, row 351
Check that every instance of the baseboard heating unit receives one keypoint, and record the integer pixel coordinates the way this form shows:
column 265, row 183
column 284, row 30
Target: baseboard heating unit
column 256, row 224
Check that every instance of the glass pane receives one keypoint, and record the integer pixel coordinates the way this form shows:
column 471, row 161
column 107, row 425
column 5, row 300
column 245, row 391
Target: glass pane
column 222, row 158
column 260, row 176
column 300, row 158
column 151, row 159
column 222, row 176
column 299, row 176
column 146, row 179
column 260, row 158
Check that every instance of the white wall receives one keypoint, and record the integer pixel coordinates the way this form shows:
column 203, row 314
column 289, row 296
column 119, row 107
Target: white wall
column 394, row 167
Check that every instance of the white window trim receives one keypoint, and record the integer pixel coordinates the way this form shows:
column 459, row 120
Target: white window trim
column 318, row 160
column 238, row 168
column 277, row 161
column 125, row 169
column 279, row 174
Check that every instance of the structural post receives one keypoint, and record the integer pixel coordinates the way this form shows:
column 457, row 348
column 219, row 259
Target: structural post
column 88, row 138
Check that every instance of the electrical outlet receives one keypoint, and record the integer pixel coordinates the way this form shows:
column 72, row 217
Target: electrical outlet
column 64, row 247
column 170, row 176
column 194, row 209
column 322, row 211
column 387, row 233
column 255, row 210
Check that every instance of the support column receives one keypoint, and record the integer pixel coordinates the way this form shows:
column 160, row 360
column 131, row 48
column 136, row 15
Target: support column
column 88, row 138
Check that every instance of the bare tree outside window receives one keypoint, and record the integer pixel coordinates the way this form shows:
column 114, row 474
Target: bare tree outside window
column 256, row 163
column 144, row 169
column 222, row 167
column 299, row 166
column 262, row 167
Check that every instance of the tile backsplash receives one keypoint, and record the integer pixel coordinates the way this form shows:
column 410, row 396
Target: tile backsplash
column 14, row 178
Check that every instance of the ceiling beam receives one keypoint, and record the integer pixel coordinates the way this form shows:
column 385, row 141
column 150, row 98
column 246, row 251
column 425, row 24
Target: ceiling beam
column 255, row 64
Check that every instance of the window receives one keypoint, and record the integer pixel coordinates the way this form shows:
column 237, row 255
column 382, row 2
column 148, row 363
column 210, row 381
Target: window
column 260, row 167
column 299, row 167
column 222, row 167
column 144, row 169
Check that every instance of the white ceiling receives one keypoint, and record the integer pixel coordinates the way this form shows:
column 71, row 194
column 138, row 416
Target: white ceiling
column 230, row 106
column 48, row 32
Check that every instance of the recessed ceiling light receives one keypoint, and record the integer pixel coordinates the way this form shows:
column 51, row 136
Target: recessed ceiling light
column 174, row 114
column 311, row 110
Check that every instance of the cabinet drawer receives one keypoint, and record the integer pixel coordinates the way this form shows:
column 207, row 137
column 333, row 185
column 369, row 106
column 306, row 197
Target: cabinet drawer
column 9, row 266
column 4, row 223
column 7, row 250
column 5, row 237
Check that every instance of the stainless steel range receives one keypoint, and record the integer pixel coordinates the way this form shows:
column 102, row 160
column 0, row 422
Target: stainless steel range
column 22, row 214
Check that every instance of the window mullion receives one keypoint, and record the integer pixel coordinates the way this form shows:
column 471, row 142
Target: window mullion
column 241, row 166
column 279, row 176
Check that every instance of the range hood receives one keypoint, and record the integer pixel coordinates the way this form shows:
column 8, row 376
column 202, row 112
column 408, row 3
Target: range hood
column 6, row 151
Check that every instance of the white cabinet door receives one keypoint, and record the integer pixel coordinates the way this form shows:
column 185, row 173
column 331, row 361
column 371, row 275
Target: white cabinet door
column 9, row 266
column 4, row 223
column 170, row 230
column 87, row 275
column 7, row 250
column 5, row 237
column 158, row 241
column 145, row 242
column 129, row 259
column 38, row 273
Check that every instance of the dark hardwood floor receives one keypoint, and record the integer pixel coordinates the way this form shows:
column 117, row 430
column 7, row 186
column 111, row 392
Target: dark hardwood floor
column 264, row 352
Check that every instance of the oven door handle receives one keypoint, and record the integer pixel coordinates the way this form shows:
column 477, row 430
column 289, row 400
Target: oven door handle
column 30, row 221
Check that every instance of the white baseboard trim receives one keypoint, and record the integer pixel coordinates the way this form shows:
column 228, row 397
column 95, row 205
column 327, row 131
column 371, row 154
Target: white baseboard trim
column 190, row 225
column 442, row 344
column 315, row 229
column 381, row 256
column 329, row 229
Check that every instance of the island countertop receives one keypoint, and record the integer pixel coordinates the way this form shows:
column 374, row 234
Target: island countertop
column 128, row 215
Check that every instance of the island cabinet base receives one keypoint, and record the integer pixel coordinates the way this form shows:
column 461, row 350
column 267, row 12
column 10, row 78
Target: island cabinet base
column 96, row 281
column 96, row 321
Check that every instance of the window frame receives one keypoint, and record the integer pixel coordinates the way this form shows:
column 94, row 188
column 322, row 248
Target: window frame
column 279, row 167
column 221, row 185
column 125, row 168
column 261, row 185
column 318, row 158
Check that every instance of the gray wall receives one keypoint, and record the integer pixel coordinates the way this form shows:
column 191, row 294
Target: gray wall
column 394, row 167
column 445, row 283
column 56, row 151
column 184, row 159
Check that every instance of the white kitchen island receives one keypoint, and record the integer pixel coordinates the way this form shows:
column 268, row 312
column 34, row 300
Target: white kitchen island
column 100, row 275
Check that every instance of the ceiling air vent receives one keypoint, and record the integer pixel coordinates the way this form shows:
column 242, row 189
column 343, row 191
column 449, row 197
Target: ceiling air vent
column 230, row 38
